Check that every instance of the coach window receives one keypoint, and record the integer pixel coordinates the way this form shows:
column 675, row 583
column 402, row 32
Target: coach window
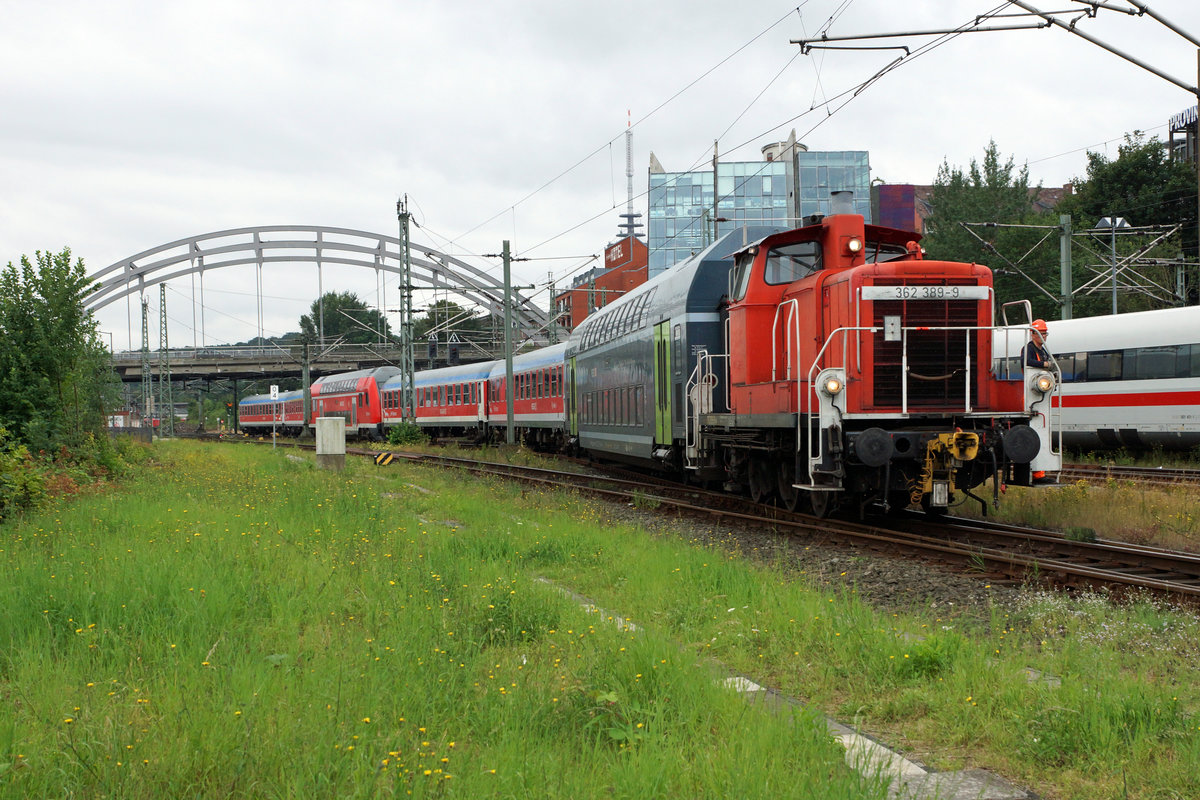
column 1066, row 363
column 1104, row 365
column 791, row 262
column 677, row 355
column 1153, row 363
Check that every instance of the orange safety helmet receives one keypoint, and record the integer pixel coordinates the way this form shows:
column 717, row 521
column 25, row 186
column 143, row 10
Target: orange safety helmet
column 1039, row 325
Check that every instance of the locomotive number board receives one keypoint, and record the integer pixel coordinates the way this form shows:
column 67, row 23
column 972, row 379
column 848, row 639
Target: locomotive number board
column 925, row 293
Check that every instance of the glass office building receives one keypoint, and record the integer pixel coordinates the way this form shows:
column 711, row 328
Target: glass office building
column 776, row 191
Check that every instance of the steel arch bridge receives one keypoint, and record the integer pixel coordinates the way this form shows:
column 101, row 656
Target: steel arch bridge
column 314, row 244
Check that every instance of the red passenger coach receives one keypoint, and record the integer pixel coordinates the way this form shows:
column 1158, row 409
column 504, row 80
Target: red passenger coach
column 261, row 414
column 355, row 397
column 539, row 410
column 449, row 401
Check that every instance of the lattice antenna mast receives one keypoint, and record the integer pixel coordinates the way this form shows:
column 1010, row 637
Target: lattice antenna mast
column 407, row 357
column 629, row 227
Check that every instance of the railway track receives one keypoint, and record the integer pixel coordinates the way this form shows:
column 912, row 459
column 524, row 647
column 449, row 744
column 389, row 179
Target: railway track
column 996, row 551
column 1164, row 476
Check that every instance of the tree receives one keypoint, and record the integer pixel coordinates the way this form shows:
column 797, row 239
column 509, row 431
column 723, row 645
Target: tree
column 1146, row 187
column 446, row 316
column 345, row 316
column 1143, row 185
column 55, row 378
column 994, row 192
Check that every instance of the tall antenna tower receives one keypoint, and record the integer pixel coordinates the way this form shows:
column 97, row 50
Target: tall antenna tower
column 629, row 227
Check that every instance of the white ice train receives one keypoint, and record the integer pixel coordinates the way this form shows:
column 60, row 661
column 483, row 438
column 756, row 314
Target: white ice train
column 1127, row 380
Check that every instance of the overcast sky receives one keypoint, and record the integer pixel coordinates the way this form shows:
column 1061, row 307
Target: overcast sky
column 127, row 125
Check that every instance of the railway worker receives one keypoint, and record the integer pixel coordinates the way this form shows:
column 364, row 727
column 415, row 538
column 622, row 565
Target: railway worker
column 1036, row 354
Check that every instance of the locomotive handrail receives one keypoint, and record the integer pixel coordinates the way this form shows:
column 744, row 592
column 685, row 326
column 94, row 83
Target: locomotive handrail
column 813, row 422
column 702, row 374
column 791, row 321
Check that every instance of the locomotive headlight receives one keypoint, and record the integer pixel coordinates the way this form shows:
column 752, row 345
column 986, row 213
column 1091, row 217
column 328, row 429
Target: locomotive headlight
column 854, row 245
column 831, row 382
column 1043, row 382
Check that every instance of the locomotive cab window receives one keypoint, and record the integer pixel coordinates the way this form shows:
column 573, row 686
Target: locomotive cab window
column 740, row 277
column 791, row 262
column 878, row 252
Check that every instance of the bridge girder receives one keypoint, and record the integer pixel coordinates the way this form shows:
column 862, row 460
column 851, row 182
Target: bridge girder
column 431, row 269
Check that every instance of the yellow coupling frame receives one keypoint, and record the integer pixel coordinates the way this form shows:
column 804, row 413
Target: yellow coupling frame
column 941, row 453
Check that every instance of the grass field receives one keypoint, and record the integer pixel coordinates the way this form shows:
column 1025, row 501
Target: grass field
column 237, row 623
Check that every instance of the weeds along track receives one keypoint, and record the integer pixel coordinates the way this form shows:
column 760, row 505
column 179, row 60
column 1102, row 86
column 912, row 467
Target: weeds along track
column 1163, row 476
column 994, row 551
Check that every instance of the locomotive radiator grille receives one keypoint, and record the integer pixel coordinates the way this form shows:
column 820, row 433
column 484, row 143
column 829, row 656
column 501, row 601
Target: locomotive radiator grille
column 936, row 358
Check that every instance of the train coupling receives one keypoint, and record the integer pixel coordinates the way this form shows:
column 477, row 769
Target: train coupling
column 943, row 452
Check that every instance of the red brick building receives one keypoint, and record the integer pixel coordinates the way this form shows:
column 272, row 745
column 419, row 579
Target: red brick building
column 625, row 264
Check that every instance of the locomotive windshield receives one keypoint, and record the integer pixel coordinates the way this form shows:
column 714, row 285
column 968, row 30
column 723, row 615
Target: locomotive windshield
column 878, row 252
column 792, row 262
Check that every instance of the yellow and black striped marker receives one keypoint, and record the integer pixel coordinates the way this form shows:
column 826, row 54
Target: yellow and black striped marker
column 383, row 459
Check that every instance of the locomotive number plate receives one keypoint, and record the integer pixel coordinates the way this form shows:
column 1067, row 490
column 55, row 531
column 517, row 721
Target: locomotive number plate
column 925, row 293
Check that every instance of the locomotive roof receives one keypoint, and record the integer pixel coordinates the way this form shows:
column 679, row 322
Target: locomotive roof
column 872, row 233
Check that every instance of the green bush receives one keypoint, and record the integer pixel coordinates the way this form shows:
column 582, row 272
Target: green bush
column 22, row 483
column 406, row 433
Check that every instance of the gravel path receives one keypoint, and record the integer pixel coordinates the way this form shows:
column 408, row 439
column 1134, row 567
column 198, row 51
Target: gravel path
column 888, row 583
